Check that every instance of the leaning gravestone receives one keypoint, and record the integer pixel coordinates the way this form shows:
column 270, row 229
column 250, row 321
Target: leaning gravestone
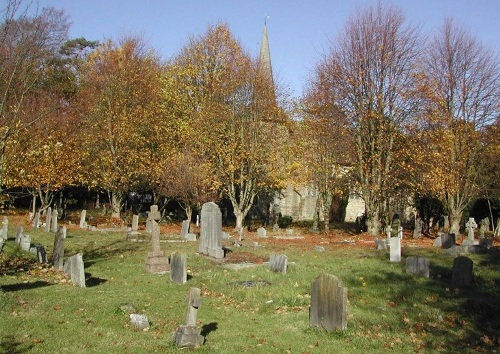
column 5, row 228
column 74, row 267
column 58, row 253
column 395, row 249
column 156, row 262
column 417, row 266
column 462, row 272
column 83, row 224
column 278, row 263
column 178, row 268
column 54, row 220
column 48, row 217
column 447, row 240
column 328, row 303
column 189, row 335
column 211, row 231
column 41, row 254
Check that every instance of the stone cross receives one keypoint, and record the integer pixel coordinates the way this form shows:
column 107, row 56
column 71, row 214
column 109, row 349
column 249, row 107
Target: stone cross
column 471, row 226
column 189, row 335
column 154, row 214
column 156, row 262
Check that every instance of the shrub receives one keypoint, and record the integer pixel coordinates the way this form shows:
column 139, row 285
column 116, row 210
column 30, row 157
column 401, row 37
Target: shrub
column 285, row 221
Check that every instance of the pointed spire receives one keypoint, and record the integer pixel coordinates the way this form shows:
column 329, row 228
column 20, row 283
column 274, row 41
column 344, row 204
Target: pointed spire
column 265, row 54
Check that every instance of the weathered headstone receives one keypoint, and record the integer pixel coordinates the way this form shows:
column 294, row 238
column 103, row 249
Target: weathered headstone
column 135, row 222
column 156, row 262
column 395, row 249
column 149, row 227
column 19, row 234
column 447, row 240
column 437, row 242
column 74, row 267
column 395, row 225
column 328, row 303
column 484, row 226
column 58, row 253
column 41, row 254
column 211, row 231
column 25, row 243
column 417, row 266
column 417, row 231
column 153, row 213
column 63, row 230
column 185, row 229
column 36, row 220
column 178, row 268
column 139, row 321
column 261, row 232
column 5, row 228
column 471, row 226
column 54, row 220
column 462, row 275
column 48, row 217
column 278, row 263
column 388, row 230
column 83, row 223
column 189, row 335
column 380, row 244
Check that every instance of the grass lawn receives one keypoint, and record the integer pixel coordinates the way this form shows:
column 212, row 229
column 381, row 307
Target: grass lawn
column 389, row 310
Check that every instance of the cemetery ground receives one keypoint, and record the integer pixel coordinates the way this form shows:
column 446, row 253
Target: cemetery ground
column 243, row 309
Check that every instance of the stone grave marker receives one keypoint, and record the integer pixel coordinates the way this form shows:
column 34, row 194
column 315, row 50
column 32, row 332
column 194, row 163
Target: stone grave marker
column 278, row 263
column 395, row 249
column 261, row 232
column 178, row 268
column 380, row 244
column 156, row 262
column 19, row 235
column 83, row 223
column 36, row 220
column 447, row 240
column 417, row 266
column 417, row 231
column 462, row 275
column 58, row 253
column 54, row 220
column 41, row 254
column 328, row 308
column 185, row 229
column 388, row 230
column 188, row 335
column 484, row 226
column 74, row 267
column 139, row 321
column 149, row 227
column 5, row 228
column 63, row 230
column 153, row 213
column 471, row 226
column 211, row 231
column 25, row 243
column 48, row 217
column 135, row 222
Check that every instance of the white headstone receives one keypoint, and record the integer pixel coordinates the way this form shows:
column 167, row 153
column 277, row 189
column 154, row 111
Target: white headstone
column 83, row 224
column 395, row 249
column 471, row 226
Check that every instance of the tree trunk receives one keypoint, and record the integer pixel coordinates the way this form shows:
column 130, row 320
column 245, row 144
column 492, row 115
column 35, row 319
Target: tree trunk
column 373, row 222
column 189, row 213
column 116, row 204
column 455, row 218
column 240, row 216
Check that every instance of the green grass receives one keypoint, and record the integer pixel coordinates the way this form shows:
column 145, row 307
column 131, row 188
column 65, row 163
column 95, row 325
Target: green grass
column 389, row 311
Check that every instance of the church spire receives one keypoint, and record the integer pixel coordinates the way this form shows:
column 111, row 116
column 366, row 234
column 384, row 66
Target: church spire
column 265, row 55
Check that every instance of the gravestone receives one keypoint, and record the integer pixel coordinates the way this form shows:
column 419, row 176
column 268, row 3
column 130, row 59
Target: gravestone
column 139, row 321
column 470, row 226
column 395, row 249
column 380, row 244
column 5, row 228
column 41, row 254
column 83, row 223
column 462, row 275
column 135, row 222
column 36, row 220
column 417, row 231
column 19, row 234
column 149, row 227
column 400, row 232
column 261, row 232
column 153, row 213
column 156, row 262
column 328, row 308
column 447, row 240
column 211, row 231
column 48, row 217
column 278, row 263
column 395, row 225
column 178, row 268
column 388, row 230
column 484, row 226
column 188, row 335
column 58, row 253
column 63, row 230
column 54, row 220
column 74, row 267
column 437, row 242
column 417, row 266
column 25, row 243
column 185, row 229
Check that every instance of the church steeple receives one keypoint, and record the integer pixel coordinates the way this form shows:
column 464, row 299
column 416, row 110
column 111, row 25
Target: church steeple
column 265, row 54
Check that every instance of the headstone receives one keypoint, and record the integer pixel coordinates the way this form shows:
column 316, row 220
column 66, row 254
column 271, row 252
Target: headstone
column 83, row 223
column 74, row 267
column 156, row 262
column 135, row 222
column 380, row 244
column 388, row 230
column 48, row 217
column 63, row 230
column 328, row 303
column 178, row 268
column 462, row 272
column 484, row 226
column 446, row 219
column 447, row 240
column 417, row 231
column 54, row 220
column 417, row 266
column 19, row 234
column 139, row 321
column 261, row 232
column 41, row 254
column 278, row 263
column 400, row 233
column 189, row 335
column 154, row 214
column 471, row 226
column 25, row 243
column 58, row 253
column 395, row 249
column 191, row 237
column 211, row 231
column 437, row 242
column 36, row 220
column 149, row 227
column 185, row 228
column 395, row 225
column 5, row 228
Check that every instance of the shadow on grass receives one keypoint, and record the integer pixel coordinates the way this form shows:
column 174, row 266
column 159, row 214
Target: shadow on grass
column 25, row 286
column 11, row 346
column 92, row 256
column 208, row 328
column 91, row 281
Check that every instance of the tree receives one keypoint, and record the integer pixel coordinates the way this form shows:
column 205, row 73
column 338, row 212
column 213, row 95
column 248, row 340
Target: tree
column 119, row 102
column 372, row 67
column 462, row 94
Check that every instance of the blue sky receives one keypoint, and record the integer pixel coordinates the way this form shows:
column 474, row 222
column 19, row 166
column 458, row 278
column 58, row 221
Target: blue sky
column 298, row 30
